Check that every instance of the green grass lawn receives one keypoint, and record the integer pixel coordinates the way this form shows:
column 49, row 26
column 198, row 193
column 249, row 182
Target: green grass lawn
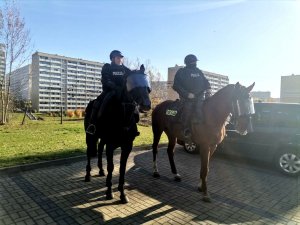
column 45, row 140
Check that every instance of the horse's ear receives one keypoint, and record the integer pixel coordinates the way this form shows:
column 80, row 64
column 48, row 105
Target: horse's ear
column 237, row 85
column 142, row 68
column 250, row 87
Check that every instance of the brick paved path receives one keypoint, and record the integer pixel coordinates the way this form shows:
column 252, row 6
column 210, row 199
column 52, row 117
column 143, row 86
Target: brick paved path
column 242, row 194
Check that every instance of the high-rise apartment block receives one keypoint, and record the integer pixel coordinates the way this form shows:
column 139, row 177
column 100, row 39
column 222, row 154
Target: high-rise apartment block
column 21, row 83
column 290, row 89
column 217, row 81
column 60, row 82
column 261, row 96
column 2, row 61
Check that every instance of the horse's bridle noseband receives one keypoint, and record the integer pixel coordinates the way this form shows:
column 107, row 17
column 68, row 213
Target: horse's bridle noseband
column 242, row 108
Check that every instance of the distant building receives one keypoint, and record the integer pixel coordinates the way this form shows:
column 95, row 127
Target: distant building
column 290, row 89
column 217, row 81
column 2, row 61
column 171, row 74
column 54, row 82
column 261, row 96
column 21, row 83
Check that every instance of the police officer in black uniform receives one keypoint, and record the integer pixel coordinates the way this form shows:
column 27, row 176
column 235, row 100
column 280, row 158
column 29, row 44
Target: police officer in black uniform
column 192, row 87
column 113, row 78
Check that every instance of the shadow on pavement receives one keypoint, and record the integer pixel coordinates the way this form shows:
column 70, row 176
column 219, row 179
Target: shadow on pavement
column 240, row 192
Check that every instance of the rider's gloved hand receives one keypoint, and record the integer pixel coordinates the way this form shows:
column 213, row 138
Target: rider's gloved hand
column 191, row 96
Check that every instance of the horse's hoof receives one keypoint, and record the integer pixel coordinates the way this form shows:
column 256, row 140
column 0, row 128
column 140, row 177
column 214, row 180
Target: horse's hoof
column 124, row 199
column 87, row 179
column 101, row 173
column 200, row 189
column 156, row 175
column 177, row 178
column 206, row 199
column 109, row 195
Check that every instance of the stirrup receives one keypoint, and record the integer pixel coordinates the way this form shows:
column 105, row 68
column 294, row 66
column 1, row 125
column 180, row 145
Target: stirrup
column 91, row 129
column 187, row 133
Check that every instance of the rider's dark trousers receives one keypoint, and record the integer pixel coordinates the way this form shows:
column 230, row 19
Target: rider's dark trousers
column 192, row 110
column 188, row 107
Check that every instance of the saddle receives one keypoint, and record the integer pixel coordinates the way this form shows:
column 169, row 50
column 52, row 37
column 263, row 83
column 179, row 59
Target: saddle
column 115, row 118
column 174, row 111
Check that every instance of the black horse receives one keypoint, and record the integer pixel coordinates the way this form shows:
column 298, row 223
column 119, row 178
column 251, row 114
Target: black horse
column 117, row 128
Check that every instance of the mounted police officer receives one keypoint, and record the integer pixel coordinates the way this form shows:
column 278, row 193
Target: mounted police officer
column 192, row 87
column 113, row 78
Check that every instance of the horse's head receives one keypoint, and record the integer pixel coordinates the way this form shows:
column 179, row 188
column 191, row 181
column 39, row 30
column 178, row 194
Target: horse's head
column 243, row 108
column 138, row 87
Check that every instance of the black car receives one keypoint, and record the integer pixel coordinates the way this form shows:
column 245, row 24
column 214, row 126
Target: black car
column 275, row 139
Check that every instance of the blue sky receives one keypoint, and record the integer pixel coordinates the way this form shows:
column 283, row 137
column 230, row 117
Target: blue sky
column 246, row 40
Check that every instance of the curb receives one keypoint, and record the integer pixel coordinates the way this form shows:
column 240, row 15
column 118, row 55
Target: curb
column 21, row 168
column 7, row 171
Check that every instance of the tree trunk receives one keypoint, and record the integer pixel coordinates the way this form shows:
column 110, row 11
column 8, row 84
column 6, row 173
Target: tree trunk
column 2, row 105
column 6, row 103
column 23, row 121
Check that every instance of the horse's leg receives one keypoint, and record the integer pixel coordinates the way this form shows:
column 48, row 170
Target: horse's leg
column 87, row 177
column 110, row 168
column 170, row 150
column 91, row 143
column 205, row 156
column 126, row 149
column 156, row 137
column 100, row 151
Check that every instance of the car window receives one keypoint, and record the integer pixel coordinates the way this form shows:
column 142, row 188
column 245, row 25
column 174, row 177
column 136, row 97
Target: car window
column 262, row 118
column 278, row 116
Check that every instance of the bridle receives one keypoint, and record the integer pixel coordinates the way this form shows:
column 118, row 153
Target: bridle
column 241, row 107
column 129, row 103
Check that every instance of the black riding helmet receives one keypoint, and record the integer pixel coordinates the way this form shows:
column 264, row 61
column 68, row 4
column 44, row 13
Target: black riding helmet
column 190, row 59
column 115, row 53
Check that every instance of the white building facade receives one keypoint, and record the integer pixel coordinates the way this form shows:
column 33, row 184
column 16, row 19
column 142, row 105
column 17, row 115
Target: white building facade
column 60, row 82
column 290, row 89
column 21, row 83
column 2, row 61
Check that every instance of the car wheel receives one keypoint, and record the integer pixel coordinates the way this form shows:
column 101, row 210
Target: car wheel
column 288, row 162
column 190, row 148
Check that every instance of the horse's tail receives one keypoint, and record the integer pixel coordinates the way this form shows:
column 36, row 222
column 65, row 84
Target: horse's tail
column 159, row 121
column 88, row 113
column 155, row 120
column 91, row 140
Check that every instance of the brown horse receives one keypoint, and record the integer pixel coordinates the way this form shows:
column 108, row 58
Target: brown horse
column 234, row 99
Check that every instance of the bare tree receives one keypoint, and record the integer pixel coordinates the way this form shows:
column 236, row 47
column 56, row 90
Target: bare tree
column 16, row 40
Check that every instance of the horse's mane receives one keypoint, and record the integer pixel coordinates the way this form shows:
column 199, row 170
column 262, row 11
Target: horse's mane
column 224, row 90
column 220, row 92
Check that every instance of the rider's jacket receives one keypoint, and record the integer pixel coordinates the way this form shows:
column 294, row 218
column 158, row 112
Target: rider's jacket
column 113, row 76
column 190, row 79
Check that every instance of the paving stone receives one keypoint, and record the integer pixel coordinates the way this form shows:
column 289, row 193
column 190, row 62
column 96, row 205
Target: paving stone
column 241, row 194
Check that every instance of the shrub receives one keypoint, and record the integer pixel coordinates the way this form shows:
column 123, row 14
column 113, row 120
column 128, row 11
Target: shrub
column 78, row 113
column 70, row 113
